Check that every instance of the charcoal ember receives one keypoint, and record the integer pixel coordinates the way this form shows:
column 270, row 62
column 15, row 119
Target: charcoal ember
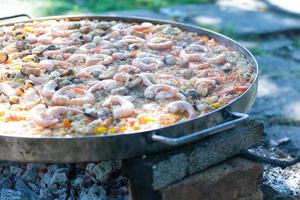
column 96, row 192
column 22, row 187
column 101, row 171
column 31, row 174
column 17, row 171
column 78, row 182
column 8, row 194
column 5, row 182
column 45, row 194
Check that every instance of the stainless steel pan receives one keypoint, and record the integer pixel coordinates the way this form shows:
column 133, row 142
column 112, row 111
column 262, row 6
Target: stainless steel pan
column 122, row 146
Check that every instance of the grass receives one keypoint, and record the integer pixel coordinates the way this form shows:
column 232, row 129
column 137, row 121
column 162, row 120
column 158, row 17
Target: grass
column 58, row 7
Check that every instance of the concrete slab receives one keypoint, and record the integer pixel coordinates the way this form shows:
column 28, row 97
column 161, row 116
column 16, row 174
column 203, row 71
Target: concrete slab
column 236, row 21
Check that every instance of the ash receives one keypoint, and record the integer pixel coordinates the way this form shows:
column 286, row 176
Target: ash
column 36, row 181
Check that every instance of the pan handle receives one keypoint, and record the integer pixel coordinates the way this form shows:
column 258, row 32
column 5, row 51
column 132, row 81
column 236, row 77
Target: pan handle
column 15, row 16
column 239, row 117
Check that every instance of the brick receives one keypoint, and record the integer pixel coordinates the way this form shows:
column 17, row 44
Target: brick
column 161, row 170
column 234, row 179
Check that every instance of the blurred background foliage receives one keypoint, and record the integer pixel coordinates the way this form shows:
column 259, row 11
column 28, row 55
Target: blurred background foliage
column 59, row 7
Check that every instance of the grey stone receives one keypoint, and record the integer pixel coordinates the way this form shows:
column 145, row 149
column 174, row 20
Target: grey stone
column 237, row 21
column 103, row 170
column 8, row 194
column 96, row 192
column 59, row 178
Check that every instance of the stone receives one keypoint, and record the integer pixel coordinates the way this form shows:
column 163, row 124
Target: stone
column 161, row 170
column 8, row 194
column 45, row 194
column 31, row 174
column 96, row 192
column 235, row 178
column 235, row 21
column 295, row 54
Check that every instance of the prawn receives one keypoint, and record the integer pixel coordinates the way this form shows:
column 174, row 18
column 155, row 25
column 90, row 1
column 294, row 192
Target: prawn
column 44, row 117
column 73, row 95
column 162, row 91
column 121, row 106
column 49, row 89
column 181, row 107
column 159, row 43
column 106, row 85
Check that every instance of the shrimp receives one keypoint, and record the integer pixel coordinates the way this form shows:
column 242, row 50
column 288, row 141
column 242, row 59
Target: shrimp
column 7, row 89
column 44, row 117
column 121, row 106
column 100, row 59
column 145, row 27
column 45, row 39
column 121, row 77
column 180, row 107
column 129, row 69
column 147, row 63
column 130, row 39
column 38, row 80
column 104, row 44
column 87, row 47
column 194, row 53
column 73, row 95
column 159, row 43
column 148, row 79
column 162, row 91
column 203, row 85
column 109, row 73
column 77, row 59
column 89, row 71
column 48, row 65
column 106, row 85
column 49, row 89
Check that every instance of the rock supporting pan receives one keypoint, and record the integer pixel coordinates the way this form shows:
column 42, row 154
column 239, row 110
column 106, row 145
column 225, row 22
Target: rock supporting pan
column 123, row 146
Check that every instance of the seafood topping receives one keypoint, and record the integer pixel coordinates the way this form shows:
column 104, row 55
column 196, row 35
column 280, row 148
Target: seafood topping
column 69, row 78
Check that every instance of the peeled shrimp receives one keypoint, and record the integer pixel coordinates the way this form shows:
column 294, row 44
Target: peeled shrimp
column 121, row 106
column 49, row 89
column 129, row 69
column 87, row 72
column 121, row 77
column 73, row 95
column 194, row 53
column 77, row 59
column 147, row 63
column 130, row 39
column 159, row 43
column 106, row 85
column 44, row 117
column 7, row 89
column 100, row 59
column 181, row 107
column 162, row 91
